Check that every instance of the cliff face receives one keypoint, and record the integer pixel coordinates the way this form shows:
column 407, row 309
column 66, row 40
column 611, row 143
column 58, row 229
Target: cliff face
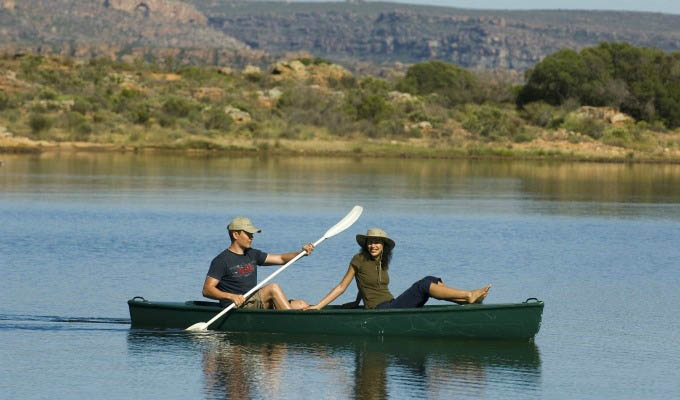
column 117, row 29
column 232, row 31
column 384, row 32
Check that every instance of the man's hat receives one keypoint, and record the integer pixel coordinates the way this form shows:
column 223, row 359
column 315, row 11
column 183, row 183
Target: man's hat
column 242, row 224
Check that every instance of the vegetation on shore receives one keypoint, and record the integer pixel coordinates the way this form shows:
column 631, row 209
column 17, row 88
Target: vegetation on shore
column 568, row 109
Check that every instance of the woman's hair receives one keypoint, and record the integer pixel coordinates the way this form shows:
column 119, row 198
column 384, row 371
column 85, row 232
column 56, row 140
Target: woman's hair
column 385, row 258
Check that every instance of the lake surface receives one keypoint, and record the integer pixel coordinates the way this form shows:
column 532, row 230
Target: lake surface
column 80, row 234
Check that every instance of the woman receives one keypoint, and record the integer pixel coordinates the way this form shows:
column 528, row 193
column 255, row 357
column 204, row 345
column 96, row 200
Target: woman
column 369, row 268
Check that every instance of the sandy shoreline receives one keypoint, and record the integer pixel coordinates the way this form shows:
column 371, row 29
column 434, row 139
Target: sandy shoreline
column 414, row 148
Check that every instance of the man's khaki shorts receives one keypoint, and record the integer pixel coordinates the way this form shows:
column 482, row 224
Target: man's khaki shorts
column 254, row 302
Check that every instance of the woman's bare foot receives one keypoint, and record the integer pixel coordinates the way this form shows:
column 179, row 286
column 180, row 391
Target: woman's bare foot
column 478, row 295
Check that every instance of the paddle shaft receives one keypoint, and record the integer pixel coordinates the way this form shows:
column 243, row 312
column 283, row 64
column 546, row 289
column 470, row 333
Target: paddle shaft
column 259, row 285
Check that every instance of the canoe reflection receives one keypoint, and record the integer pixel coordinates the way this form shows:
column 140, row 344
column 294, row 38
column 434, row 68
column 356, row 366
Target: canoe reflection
column 246, row 366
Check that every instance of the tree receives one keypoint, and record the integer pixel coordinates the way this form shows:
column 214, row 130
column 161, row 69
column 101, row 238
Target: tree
column 642, row 82
column 453, row 83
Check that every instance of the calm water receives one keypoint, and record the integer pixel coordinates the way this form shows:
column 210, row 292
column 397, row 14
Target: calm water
column 82, row 234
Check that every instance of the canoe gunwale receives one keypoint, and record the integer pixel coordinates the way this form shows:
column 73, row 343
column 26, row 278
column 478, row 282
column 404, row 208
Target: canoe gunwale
column 190, row 306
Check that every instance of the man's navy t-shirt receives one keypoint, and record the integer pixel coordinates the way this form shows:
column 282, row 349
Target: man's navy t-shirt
column 237, row 273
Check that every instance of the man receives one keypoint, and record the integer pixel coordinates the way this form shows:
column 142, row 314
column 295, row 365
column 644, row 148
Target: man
column 234, row 271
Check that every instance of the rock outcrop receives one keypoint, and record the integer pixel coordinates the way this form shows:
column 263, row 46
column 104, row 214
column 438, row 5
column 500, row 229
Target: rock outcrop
column 165, row 9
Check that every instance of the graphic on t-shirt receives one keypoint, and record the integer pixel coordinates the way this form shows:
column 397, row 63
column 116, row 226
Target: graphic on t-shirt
column 245, row 270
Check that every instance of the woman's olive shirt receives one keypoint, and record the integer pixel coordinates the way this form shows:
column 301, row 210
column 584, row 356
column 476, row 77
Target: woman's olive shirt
column 371, row 280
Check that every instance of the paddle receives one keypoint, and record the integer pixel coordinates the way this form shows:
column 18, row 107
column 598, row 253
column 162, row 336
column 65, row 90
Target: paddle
column 344, row 223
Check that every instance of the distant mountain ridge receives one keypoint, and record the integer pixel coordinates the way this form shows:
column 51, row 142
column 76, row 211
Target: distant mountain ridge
column 219, row 31
column 386, row 32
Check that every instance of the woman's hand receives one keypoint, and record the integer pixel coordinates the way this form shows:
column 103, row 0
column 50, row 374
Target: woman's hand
column 314, row 307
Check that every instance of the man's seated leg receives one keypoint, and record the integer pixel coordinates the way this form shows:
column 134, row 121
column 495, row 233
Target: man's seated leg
column 273, row 297
column 255, row 302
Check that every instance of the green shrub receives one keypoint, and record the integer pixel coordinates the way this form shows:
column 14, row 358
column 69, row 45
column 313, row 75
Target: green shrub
column 309, row 106
column 199, row 74
column 454, row 84
column 166, row 121
column 139, row 113
column 179, row 106
column 4, row 101
column 48, row 94
column 490, row 122
column 538, row 113
column 585, row 125
column 617, row 136
column 368, row 101
column 29, row 65
column 81, row 105
column 316, row 61
column 39, row 123
column 524, row 136
column 217, row 119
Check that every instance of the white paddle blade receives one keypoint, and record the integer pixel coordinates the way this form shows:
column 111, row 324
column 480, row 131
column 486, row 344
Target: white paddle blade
column 345, row 223
column 199, row 326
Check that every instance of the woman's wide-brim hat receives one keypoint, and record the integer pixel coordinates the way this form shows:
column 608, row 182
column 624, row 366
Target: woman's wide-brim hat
column 378, row 234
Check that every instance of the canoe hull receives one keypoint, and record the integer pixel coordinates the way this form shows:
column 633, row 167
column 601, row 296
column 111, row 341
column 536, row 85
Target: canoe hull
column 516, row 321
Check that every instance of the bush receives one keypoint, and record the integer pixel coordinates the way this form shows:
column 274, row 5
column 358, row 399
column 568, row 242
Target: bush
column 316, row 61
column 538, row 113
column 217, row 119
column 139, row 113
column 585, row 125
column 617, row 136
column 491, row 122
column 369, row 101
column 48, row 94
column 39, row 123
column 81, row 105
column 179, row 106
column 4, row 101
column 366, row 105
column 454, row 84
column 309, row 106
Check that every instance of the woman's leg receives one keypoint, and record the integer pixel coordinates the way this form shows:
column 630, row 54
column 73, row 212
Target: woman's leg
column 442, row 292
column 415, row 296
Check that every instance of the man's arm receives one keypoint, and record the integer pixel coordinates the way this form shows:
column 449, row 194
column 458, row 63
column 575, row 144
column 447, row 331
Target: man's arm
column 211, row 291
column 278, row 259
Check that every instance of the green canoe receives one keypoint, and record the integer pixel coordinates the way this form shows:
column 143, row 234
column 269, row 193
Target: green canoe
column 514, row 321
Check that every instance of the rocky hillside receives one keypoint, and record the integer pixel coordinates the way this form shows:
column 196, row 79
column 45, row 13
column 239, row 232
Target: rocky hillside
column 397, row 32
column 241, row 32
column 117, row 29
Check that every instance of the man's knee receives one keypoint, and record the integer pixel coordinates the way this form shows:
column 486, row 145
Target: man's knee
column 272, row 288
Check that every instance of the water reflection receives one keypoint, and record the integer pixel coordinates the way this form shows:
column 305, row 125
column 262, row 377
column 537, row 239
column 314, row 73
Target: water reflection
column 243, row 366
column 329, row 176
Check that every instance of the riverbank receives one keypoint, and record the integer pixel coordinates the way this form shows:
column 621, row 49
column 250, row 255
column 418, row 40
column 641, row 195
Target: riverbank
column 305, row 106
column 546, row 147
